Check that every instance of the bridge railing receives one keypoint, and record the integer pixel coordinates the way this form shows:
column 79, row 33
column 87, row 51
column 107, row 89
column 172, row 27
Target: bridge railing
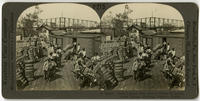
column 153, row 22
column 63, row 22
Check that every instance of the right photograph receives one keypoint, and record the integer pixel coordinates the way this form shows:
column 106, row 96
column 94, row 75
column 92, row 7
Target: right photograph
column 150, row 41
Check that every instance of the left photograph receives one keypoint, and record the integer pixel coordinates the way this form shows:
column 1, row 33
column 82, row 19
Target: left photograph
column 48, row 39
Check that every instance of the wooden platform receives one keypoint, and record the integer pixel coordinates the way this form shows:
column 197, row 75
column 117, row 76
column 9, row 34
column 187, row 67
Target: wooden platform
column 65, row 80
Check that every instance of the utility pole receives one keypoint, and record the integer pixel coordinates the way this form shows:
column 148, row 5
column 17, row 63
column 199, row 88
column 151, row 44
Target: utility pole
column 126, row 11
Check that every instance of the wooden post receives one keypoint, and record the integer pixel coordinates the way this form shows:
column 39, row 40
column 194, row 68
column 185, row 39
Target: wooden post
column 163, row 22
column 145, row 22
column 73, row 20
column 64, row 21
column 82, row 22
column 59, row 22
column 51, row 22
column 152, row 43
column 77, row 21
column 176, row 23
column 167, row 21
column 158, row 22
column 56, row 22
column 87, row 23
column 154, row 22
column 131, row 21
column 150, row 22
column 91, row 23
column 68, row 22
column 46, row 22
column 136, row 21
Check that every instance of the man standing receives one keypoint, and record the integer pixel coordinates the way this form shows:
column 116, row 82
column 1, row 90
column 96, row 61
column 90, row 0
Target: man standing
column 50, row 49
column 51, row 69
column 145, row 57
column 149, row 52
column 172, row 53
column 96, row 57
column 83, row 52
column 78, row 48
column 168, row 47
column 74, row 47
column 59, row 52
column 45, row 68
column 164, row 47
column 141, row 49
column 140, row 56
column 164, row 43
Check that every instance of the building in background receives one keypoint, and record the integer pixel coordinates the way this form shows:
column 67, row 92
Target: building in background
column 90, row 40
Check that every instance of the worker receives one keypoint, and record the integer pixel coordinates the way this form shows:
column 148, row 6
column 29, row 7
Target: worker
column 83, row 52
column 126, row 43
column 31, row 53
column 135, row 65
column 51, row 69
column 178, row 74
column 77, row 69
column 46, row 67
column 43, row 44
column 55, row 57
column 146, row 58
column 140, row 55
column 168, row 47
column 39, row 50
column 172, row 53
column 164, row 43
column 50, row 55
column 144, row 55
column 50, row 49
column 139, row 72
column 141, row 48
column 76, row 66
column 59, row 52
column 95, row 58
column 74, row 43
column 124, row 37
column 169, row 64
column 132, row 43
column 148, row 50
column 74, row 47
column 78, row 48
column 168, row 68
column 164, row 48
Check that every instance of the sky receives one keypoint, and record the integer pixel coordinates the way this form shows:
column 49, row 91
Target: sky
column 141, row 10
column 79, row 11
column 68, row 10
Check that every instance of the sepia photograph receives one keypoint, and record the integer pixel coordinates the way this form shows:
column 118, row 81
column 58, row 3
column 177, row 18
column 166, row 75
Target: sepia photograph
column 68, row 46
